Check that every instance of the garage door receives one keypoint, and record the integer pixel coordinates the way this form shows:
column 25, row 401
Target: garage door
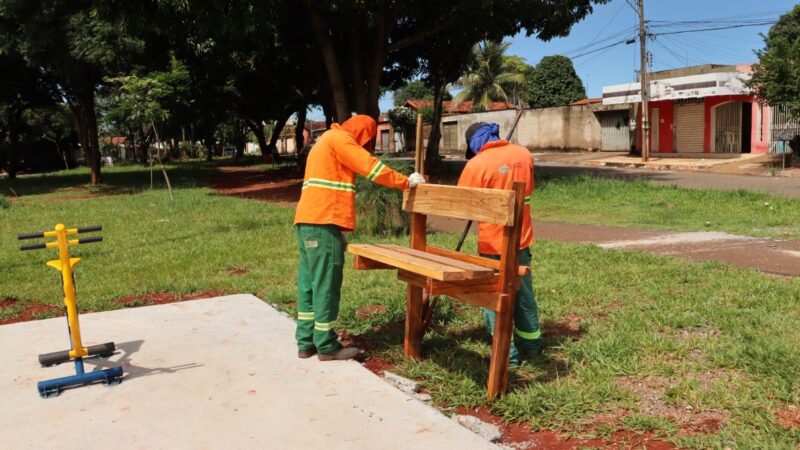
column 689, row 127
column 616, row 135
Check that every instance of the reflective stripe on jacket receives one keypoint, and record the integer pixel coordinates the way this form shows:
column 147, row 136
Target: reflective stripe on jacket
column 329, row 190
column 491, row 168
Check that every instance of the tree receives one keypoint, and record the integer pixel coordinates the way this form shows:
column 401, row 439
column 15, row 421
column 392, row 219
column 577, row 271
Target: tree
column 358, row 40
column 489, row 77
column 403, row 120
column 77, row 43
column 23, row 89
column 776, row 77
column 553, row 82
column 413, row 90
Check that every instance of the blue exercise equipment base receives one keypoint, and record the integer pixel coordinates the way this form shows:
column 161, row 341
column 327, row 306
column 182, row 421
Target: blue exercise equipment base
column 52, row 388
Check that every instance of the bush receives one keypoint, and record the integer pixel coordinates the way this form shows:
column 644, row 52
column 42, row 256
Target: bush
column 379, row 210
column 4, row 202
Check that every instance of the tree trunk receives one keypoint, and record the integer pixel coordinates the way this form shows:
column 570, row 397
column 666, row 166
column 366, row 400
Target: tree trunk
column 432, row 151
column 258, row 130
column 80, row 127
column 13, row 140
column 385, row 22
column 93, row 142
column 276, row 132
column 329, row 58
column 208, row 142
column 299, row 139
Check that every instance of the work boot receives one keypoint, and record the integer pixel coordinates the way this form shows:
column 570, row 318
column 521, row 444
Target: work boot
column 342, row 354
column 305, row 354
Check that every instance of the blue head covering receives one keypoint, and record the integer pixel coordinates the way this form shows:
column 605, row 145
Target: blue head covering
column 487, row 132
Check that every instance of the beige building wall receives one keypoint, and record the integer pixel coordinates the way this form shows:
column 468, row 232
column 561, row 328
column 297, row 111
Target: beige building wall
column 559, row 128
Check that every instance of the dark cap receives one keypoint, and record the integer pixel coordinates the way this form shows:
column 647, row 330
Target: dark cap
column 471, row 130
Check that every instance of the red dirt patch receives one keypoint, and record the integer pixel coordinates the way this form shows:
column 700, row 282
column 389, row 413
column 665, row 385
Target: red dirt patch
column 650, row 392
column 237, row 271
column 377, row 365
column 789, row 418
column 521, row 436
column 368, row 311
column 280, row 186
column 29, row 311
column 160, row 298
column 570, row 327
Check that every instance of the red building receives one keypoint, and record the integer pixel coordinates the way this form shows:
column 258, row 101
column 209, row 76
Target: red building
column 701, row 110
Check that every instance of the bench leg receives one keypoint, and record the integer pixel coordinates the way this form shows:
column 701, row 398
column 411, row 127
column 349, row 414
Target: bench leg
column 412, row 342
column 501, row 346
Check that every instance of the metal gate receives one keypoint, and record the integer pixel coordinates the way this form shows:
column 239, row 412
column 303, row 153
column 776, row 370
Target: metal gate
column 690, row 127
column 450, row 137
column 615, row 133
column 728, row 128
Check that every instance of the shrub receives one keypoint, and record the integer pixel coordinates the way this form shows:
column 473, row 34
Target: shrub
column 4, row 202
column 379, row 209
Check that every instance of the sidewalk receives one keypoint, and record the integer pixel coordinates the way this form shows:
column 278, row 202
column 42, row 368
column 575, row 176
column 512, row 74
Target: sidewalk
column 215, row 373
column 774, row 256
column 744, row 164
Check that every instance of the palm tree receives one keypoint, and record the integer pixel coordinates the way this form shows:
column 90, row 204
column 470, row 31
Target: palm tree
column 489, row 77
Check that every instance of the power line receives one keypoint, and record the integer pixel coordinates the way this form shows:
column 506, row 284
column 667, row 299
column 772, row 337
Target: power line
column 624, row 41
column 699, row 30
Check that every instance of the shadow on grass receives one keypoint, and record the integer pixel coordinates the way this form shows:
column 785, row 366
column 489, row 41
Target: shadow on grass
column 448, row 351
column 117, row 180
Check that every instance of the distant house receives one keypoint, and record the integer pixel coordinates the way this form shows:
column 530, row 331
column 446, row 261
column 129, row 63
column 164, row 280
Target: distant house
column 704, row 109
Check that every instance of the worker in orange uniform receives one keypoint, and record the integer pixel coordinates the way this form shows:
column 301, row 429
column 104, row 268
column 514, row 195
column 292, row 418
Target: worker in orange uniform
column 493, row 163
column 325, row 210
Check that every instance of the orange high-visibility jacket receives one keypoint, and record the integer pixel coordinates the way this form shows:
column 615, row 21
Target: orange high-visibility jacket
column 491, row 168
column 329, row 190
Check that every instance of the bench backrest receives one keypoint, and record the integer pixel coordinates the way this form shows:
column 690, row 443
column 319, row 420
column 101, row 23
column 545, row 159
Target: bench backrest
column 495, row 206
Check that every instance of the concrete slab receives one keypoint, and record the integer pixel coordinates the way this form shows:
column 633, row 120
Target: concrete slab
column 215, row 373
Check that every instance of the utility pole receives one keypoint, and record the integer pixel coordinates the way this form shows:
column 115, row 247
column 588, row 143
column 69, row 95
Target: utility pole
column 644, row 82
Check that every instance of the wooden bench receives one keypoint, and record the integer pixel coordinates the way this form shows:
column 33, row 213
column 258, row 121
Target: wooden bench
column 468, row 278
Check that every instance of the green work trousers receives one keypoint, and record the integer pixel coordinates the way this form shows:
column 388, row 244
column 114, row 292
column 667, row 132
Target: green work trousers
column 527, row 335
column 319, row 285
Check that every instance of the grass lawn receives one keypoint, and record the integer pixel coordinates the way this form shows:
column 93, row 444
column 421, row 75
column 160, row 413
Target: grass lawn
column 638, row 204
column 704, row 355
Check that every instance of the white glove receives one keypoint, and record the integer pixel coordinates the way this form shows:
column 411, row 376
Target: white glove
column 415, row 179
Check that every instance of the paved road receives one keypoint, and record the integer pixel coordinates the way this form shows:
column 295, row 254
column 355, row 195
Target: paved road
column 779, row 185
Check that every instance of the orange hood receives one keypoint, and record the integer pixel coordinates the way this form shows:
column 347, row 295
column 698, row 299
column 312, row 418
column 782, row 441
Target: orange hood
column 362, row 128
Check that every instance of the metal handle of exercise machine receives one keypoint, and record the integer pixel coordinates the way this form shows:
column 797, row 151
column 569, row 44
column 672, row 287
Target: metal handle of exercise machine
column 89, row 240
column 51, row 359
column 90, row 229
column 32, row 247
column 24, row 236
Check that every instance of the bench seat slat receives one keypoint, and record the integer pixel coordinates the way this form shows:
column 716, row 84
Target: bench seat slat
column 419, row 265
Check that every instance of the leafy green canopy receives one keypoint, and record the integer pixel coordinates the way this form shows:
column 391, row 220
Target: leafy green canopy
column 553, row 82
column 777, row 74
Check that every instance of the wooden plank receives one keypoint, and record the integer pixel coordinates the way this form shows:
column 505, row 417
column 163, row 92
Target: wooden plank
column 434, row 287
column 473, row 259
column 509, row 257
column 488, row 300
column 362, row 263
column 474, row 271
column 481, row 205
column 412, row 339
column 419, row 152
column 501, row 346
column 430, row 269
column 419, row 225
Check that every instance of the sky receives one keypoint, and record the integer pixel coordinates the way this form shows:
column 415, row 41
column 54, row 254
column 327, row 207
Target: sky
column 617, row 21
